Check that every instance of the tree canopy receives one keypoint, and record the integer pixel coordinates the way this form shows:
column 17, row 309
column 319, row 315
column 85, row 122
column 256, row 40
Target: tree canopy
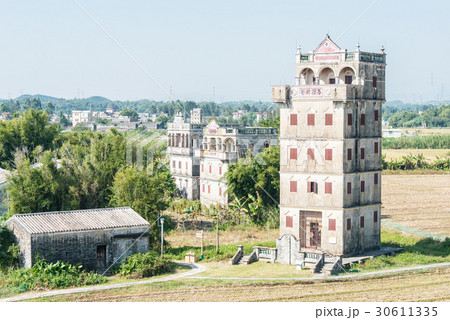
column 256, row 176
column 27, row 132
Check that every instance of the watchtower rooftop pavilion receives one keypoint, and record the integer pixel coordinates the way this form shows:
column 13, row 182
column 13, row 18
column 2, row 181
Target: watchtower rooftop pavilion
column 330, row 150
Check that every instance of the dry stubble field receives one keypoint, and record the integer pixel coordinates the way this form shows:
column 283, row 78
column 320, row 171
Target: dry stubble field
column 429, row 154
column 429, row 286
column 418, row 201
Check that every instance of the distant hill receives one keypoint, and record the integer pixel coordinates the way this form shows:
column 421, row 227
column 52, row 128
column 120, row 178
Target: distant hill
column 98, row 99
column 43, row 98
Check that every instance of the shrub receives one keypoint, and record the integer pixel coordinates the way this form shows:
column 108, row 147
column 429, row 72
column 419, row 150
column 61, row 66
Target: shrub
column 8, row 250
column 413, row 162
column 141, row 265
column 50, row 275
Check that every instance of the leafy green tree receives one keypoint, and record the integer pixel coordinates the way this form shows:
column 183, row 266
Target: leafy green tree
column 258, row 177
column 63, row 121
column 27, row 132
column 34, row 188
column 33, row 103
column 50, row 108
column 163, row 120
column 149, row 195
column 8, row 250
column 130, row 113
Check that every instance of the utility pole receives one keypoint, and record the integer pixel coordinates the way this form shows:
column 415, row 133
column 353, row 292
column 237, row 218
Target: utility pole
column 162, row 237
column 217, row 234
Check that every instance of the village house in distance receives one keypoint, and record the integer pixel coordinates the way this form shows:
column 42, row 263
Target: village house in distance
column 330, row 140
column 200, row 154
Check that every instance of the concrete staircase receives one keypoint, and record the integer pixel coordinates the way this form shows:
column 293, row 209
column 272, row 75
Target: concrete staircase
column 245, row 259
column 330, row 266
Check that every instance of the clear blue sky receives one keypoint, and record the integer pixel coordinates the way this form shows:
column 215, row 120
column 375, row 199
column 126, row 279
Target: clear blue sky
column 237, row 47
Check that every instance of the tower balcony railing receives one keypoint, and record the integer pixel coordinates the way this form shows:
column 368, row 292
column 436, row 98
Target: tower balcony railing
column 282, row 94
column 218, row 154
column 180, row 151
column 341, row 56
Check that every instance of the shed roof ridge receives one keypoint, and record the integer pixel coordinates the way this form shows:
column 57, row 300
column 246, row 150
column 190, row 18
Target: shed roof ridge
column 69, row 211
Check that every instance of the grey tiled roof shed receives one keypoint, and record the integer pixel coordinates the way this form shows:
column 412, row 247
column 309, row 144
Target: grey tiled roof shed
column 96, row 238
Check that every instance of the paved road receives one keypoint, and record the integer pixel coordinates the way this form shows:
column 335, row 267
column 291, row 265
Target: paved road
column 346, row 276
column 196, row 268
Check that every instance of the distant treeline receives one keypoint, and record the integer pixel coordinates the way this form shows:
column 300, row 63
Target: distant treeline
column 416, row 116
column 40, row 102
column 418, row 142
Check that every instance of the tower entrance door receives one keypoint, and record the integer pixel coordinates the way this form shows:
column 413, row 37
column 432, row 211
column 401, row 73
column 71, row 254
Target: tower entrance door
column 310, row 229
column 314, row 235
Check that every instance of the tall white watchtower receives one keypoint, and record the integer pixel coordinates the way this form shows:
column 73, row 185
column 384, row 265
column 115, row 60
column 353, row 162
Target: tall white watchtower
column 330, row 139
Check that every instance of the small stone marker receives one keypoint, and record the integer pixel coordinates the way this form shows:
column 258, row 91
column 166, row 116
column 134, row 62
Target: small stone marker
column 190, row 257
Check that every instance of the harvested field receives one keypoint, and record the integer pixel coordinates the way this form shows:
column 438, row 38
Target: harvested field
column 429, row 286
column 418, row 201
column 429, row 154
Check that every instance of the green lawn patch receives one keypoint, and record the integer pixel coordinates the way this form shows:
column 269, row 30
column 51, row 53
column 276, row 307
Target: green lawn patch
column 417, row 251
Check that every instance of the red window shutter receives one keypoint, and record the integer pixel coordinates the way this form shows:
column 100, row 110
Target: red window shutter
column 349, row 223
column 328, row 154
column 376, row 147
column 289, row 222
column 328, row 188
column 311, row 119
column 293, row 186
column 349, row 119
column 293, row 155
column 202, row 167
column 209, row 189
column 332, row 224
column 349, row 188
column 179, row 164
column 210, row 169
column 375, row 216
column 361, row 222
column 363, row 119
column 220, row 191
column 349, row 154
column 203, row 188
column 374, row 82
column 363, row 186
column 186, row 165
column 328, row 119
column 220, row 170
column 362, row 154
column 376, row 115
column 293, row 119
column 375, row 178
column 309, row 186
column 310, row 154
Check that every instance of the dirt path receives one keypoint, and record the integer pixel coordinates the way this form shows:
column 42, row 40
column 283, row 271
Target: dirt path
column 195, row 269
